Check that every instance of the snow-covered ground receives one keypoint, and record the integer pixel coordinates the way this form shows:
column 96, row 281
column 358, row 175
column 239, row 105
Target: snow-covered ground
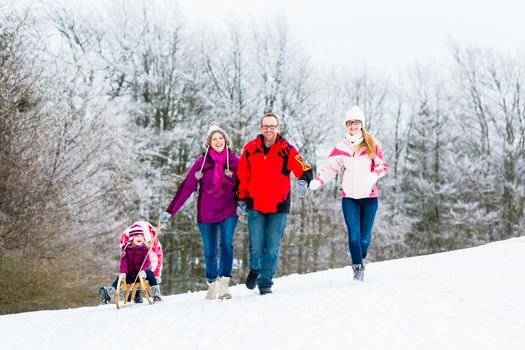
column 466, row 299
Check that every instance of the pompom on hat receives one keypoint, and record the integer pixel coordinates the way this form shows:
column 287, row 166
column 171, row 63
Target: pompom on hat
column 355, row 113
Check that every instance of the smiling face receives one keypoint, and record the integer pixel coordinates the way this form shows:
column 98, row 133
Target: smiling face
column 354, row 126
column 217, row 142
column 269, row 129
column 137, row 240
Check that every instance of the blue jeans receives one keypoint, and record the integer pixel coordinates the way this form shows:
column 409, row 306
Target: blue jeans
column 359, row 217
column 265, row 232
column 209, row 234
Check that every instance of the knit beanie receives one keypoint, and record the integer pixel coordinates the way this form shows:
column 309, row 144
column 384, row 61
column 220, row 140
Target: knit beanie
column 214, row 127
column 134, row 232
column 355, row 113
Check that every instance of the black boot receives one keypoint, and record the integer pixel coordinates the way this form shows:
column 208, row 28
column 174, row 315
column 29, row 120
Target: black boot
column 138, row 298
column 251, row 280
column 265, row 290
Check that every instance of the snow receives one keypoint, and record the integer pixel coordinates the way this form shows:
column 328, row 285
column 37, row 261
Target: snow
column 465, row 299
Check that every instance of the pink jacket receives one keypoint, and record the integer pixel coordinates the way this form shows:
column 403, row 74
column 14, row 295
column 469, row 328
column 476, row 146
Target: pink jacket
column 156, row 254
column 360, row 173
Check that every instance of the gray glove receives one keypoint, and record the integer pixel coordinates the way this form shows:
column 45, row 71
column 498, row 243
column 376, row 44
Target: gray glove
column 301, row 189
column 242, row 208
column 164, row 217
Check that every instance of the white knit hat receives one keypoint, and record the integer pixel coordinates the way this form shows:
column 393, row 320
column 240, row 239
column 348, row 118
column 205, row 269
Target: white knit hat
column 355, row 113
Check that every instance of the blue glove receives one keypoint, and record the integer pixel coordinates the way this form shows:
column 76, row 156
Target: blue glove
column 301, row 189
column 242, row 208
column 164, row 217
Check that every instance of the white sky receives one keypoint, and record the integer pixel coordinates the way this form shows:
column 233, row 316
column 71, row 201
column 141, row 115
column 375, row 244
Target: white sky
column 386, row 35
column 465, row 299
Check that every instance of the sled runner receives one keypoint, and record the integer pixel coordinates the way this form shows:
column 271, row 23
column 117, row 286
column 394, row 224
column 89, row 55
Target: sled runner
column 125, row 290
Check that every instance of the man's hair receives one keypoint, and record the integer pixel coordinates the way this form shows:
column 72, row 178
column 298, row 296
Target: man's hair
column 270, row 114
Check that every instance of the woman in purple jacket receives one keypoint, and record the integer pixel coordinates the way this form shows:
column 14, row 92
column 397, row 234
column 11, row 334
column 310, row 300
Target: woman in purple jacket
column 214, row 175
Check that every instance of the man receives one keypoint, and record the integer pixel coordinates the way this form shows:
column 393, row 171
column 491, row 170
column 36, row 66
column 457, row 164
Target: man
column 264, row 192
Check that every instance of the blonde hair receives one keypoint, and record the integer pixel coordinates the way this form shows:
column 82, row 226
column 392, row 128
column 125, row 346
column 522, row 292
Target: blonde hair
column 370, row 143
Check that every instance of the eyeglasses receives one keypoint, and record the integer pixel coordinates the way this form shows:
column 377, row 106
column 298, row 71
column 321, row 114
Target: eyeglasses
column 270, row 127
column 353, row 122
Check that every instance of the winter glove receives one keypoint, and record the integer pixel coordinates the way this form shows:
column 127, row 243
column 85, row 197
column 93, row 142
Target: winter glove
column 315, row 185
column 123, row 276
column 164, row 217
column 242, row 208
column 158, row 279
column 142, row 274
column 301, row 189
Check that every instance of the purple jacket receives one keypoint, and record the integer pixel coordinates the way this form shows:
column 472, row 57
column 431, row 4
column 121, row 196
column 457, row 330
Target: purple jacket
column 132, row 260
column 210, row 209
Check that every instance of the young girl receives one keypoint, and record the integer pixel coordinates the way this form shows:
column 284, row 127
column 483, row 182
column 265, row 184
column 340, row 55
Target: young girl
column 214, row 175
column 363, row 162
column 134, row 255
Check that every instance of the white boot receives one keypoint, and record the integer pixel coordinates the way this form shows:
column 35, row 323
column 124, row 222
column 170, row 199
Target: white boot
column 223, row 292
column 211, row 294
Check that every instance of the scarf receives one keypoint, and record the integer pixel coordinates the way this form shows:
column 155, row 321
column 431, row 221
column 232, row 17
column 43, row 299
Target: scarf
column 219, row 179
column 356, row 139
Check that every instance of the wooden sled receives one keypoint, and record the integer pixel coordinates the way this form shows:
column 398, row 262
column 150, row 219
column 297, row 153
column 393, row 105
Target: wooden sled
column 124, row 290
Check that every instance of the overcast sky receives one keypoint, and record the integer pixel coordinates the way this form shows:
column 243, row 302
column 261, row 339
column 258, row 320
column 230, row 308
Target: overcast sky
column 386, row 35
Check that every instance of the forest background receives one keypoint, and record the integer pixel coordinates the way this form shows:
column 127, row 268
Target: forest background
column 103, row 113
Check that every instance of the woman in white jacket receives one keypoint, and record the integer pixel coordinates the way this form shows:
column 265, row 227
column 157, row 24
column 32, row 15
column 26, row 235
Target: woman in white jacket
column 363, row 163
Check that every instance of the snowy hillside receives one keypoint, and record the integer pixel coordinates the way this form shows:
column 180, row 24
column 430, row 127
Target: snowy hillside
column 467, row 299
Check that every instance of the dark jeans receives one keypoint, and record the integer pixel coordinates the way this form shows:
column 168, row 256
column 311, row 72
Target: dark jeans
column 209, row 234
column 359, row 217
column 265, row 232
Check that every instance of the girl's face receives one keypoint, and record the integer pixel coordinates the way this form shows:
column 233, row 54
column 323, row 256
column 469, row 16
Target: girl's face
column 353, row 126
column 218, row 142
column 138, row 240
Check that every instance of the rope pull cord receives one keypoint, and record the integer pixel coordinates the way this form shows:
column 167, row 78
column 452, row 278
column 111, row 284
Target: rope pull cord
column 227, row 172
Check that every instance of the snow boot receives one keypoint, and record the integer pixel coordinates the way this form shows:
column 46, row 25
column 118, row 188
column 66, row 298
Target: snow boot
column 265, row 290
column 138, row 298
column 359, row 272
column 155, row 290
column 105, row 294
column 211, row 294
column 222, row 289
column 251, row 280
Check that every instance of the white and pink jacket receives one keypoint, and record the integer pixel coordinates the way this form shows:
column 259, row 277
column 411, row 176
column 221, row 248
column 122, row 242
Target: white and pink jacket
column 360, row 173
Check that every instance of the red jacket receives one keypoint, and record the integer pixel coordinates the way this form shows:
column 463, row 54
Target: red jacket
column 264, row 179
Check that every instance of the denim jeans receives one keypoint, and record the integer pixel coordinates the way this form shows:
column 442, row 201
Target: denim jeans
column 359, row 217
column 265, row 232
column 209, row 234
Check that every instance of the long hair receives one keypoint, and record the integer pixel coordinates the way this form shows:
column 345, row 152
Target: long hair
column 370, row 143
